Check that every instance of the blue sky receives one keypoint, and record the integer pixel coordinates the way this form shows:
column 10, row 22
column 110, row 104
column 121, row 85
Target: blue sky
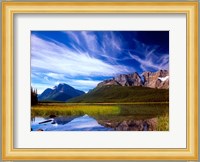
column 82, row 59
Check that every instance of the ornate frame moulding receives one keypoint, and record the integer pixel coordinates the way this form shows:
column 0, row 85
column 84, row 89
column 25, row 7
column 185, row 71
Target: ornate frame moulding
column 9, row 9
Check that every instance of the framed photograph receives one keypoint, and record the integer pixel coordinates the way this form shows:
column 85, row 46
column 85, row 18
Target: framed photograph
column 100, row 80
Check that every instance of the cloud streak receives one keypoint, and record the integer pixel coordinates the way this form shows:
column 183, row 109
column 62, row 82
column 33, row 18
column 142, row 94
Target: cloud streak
column 148, row 57
column 55, row 62
column 55, row 58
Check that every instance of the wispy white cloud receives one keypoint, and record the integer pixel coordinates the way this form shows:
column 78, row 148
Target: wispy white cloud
column 90, row 40
column 52, row 57
column 148, row 57
column 55, row 75
column 148, row 62
column 40, row 87
column 109, row 41
column 73, row 36
column 46, row 78
column 92, row 83
column 53, row 62
column 108, row 46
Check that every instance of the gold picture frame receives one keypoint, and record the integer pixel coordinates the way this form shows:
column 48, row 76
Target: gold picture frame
column 9, row 9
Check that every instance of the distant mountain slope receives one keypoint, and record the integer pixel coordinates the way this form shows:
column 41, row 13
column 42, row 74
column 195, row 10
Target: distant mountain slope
column 47, row 92
column 120, row 94
column 61, row 93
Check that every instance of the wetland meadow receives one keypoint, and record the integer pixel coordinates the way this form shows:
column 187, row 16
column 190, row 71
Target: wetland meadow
column 100, row 117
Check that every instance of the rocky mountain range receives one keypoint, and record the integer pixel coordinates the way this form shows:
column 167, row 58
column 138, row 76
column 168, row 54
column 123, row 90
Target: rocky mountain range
column 159, row 80
column 60, row 93
column 109, row 90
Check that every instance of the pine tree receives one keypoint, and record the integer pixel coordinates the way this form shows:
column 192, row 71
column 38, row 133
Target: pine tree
column 34, row 98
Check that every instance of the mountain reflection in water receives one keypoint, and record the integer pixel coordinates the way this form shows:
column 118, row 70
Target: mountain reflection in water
column 125, row 117
column 87, row 123
column 83, row 123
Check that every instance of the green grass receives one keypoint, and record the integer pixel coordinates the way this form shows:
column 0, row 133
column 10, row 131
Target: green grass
column 136, row 111
column 73, row 110
column 119, row 94
column 163, row 123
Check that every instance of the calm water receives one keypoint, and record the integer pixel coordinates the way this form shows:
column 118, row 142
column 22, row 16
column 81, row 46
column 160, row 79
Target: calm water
column 128, row 118
column 82, row 123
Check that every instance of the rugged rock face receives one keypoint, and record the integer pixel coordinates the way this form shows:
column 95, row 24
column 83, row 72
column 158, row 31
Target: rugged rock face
column 165, row 84
column 124, row 80
column 108, row 82
column 129, row 79
column 159, row 79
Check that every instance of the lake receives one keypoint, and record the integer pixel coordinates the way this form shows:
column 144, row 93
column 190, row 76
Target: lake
column 100, row 117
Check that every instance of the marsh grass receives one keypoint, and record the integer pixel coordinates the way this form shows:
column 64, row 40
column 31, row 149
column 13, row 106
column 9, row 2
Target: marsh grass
column 163, row 123
column 134, row 110
column 73, row 110
column 144, row 109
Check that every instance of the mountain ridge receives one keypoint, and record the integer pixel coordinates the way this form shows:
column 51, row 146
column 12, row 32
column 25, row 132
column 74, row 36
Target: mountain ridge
column 61, row 92
column 118, row 88
column 149, row 87
column 159, row 79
